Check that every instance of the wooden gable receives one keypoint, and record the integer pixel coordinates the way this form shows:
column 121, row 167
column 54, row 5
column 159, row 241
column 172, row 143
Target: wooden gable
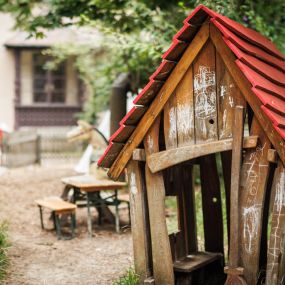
column 240, row 60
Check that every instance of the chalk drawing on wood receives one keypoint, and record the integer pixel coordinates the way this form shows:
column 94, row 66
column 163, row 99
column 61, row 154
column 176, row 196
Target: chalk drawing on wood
column 205, row 89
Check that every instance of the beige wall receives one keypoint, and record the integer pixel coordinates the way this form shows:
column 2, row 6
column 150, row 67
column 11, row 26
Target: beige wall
column 7, row 73
column 27, row 81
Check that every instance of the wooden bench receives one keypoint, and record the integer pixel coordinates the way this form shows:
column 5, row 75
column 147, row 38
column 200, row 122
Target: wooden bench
column 57, row 207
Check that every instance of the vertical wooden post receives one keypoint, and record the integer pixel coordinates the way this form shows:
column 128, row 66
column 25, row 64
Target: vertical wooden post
column 17, row 85
column 233, row 269
column 276, row 251
column 161, row 251
column 139, row 220
column 254, row 177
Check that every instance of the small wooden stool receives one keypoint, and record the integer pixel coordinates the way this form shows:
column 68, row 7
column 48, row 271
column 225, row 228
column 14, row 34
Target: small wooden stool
column 58, row 207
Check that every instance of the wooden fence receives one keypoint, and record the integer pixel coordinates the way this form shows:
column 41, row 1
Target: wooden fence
column 21, row 148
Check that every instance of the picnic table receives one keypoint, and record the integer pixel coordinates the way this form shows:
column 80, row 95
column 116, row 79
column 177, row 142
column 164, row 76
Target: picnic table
column 91, row 187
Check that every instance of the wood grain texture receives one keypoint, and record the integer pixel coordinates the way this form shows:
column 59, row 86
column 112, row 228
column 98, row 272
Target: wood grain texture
column 205, row 97
column 161, row 251
column 185, row 109
column 275, row 255
column 139, row 220
column 245, row 87
column 170, row 122
column 228, row 96
column 159, row 102
column 238, row 125
column 164, row 159
column 254, row 177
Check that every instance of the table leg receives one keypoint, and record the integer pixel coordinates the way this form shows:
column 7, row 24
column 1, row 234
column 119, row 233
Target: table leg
column 41, row 217
column 117, row 218
column 89, row 218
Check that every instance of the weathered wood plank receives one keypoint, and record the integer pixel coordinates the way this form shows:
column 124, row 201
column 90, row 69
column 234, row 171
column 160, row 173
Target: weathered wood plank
column 245, row 87
column 234, row 276
column 205, row 102
column 211, row 204
column 272, row 156
column 226, row 159
column 254, row 175
column 161, row 251
column 139, row 154
column 159, row 102
column 139, row 220
column 228, row 97
column 275, row 254
column 170, row 127
column 185, row 109
column 164, row 159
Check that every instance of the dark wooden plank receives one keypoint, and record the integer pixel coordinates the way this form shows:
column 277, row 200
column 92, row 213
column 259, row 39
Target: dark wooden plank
column 185, row 109
column 134, row 115
column 111, row 152
column 159, row 101
column 122, row 134
column 164, row 159
column 211, row 204
column 139, row 220
column 196, row 261
column 205, row 95
column 226, row 159
column 245, row 87
column 228, row 97
column 275, row 254
column 161, row 251
column 254, row 176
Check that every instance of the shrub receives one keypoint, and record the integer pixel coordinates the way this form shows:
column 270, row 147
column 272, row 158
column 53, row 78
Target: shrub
column 4, row 244
column 129, row 278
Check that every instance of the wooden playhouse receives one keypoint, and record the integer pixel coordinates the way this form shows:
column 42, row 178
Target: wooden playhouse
column 219, row 93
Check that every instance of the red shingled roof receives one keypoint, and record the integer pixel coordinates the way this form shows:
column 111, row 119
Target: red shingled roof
column 257, row 57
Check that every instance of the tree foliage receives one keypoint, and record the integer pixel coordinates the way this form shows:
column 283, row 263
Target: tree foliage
column 136, row 31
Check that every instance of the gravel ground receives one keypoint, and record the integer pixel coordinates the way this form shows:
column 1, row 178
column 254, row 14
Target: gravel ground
column 36, row 256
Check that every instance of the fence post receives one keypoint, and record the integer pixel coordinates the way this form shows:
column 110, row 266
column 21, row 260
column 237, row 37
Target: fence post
column 38, row 149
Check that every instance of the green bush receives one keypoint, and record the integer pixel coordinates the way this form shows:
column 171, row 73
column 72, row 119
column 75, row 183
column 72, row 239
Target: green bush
column 129, row 278
column 4, row 244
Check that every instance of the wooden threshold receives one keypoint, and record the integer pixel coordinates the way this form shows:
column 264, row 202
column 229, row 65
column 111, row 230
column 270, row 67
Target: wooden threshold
column 167, row 158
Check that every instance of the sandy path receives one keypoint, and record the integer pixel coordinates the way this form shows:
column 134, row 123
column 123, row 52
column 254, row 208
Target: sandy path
column 37, row 257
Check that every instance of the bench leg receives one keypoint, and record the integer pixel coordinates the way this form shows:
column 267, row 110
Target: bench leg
column 117, row 218
column 73, row 224
column 41, row 217
column 89, row 218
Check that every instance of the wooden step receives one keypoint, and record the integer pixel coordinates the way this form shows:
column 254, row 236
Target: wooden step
column 56, row 204
column 195, row 261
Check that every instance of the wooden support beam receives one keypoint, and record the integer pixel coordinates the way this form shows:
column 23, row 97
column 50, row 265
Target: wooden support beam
column 164, row 159
column 139, row 154
column 139, row 220
column 161, row 251
column 275, row 255
column 272, row 155
column 254, row 177
column 245, row 87
column 159, row 101
column 234, row 254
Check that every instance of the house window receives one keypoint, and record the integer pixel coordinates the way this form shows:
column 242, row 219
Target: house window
column 48, row 85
